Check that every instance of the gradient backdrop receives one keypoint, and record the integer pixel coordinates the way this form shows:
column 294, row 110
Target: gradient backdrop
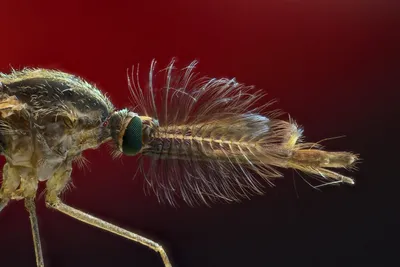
column 333, row 65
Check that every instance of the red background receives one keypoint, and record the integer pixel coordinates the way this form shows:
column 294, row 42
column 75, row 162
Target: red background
column 333, row 65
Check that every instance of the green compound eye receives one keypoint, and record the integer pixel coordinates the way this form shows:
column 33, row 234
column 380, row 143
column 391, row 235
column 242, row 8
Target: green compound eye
column 132, row 139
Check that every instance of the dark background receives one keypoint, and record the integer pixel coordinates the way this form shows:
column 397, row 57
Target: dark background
column 333, row 65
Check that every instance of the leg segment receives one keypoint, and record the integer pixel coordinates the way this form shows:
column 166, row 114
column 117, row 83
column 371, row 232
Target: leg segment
column 55, row 186
column 30, row 207
column 91, row 220
column 11, row 181
column 27, row 190
column 18, row 183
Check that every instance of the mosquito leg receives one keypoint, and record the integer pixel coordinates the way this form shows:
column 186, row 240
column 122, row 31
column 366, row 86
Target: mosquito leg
column 30, row 207
column 99, row 223
column 56, row 185
column 27, row 190
column 11, row 181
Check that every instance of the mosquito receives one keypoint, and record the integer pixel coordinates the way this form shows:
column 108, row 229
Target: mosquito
column 197, row 139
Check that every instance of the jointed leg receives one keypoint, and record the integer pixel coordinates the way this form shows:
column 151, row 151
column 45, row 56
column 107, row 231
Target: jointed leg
column 91, row 220
column 30, row 207
column 55, row 186
column 18, row 183
column 27, row 190
column 11, row 181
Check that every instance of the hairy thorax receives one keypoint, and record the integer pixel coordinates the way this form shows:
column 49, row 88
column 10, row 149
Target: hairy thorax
column 49, row 144
column 47, row 119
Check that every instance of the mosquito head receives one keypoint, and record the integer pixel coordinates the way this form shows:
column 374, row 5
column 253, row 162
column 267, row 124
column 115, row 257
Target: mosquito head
column 130, row 131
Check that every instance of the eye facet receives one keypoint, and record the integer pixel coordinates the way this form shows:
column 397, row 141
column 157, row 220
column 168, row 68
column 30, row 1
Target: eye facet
column 132, row 139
